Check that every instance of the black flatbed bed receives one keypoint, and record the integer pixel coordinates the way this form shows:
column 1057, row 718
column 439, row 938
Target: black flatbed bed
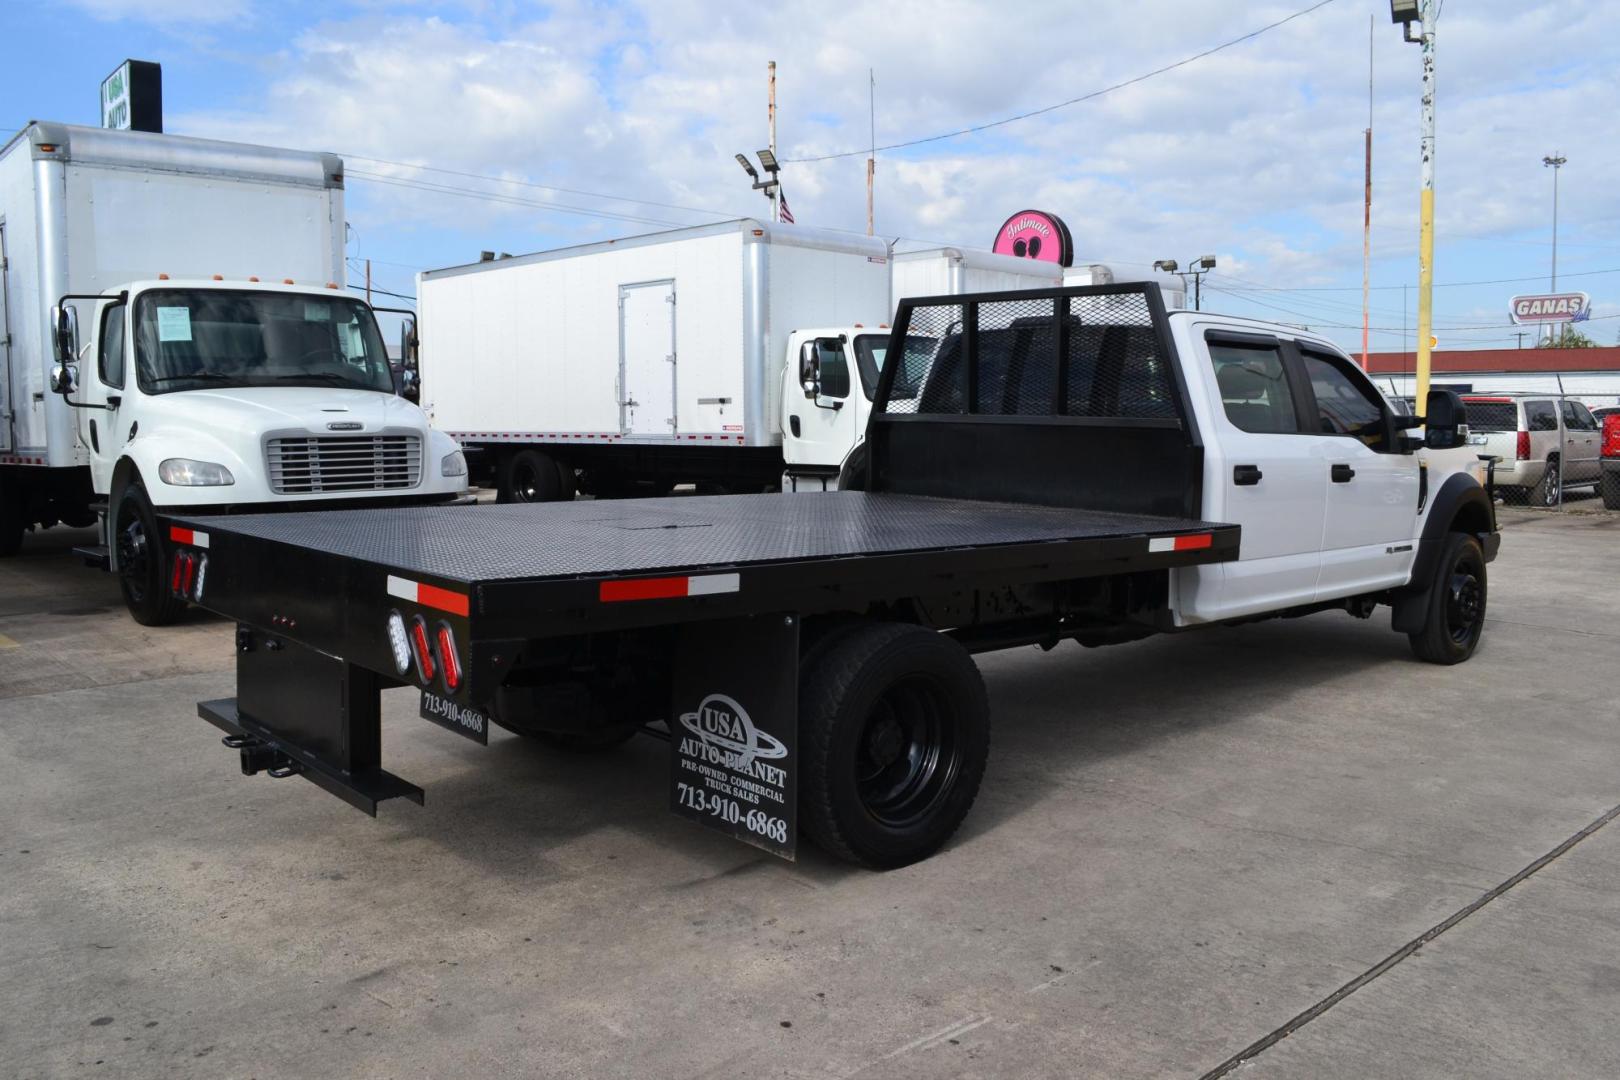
column 629, row 537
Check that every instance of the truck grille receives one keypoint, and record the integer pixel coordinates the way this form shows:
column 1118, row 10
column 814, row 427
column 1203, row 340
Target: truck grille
column 299, row 466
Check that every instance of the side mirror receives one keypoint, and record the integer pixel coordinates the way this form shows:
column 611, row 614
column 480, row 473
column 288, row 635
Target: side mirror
column 65, row 333
column 409, row 388
column 64, row 378
column 809, row 370
column 1445, row 420
column 407, row 343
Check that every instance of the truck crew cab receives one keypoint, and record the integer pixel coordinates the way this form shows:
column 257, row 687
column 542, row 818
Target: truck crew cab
column 1061, row 464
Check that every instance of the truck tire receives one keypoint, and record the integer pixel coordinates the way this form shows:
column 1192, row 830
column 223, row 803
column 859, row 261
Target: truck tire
column 1456, row 615
column 143, row 561
column 1547, row 490
column 894, row 734
column 529, row 476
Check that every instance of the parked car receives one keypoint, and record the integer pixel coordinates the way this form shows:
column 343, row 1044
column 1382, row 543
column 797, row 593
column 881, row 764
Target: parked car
column 1603, row 412
column 1546, row 443
column 1609, row 484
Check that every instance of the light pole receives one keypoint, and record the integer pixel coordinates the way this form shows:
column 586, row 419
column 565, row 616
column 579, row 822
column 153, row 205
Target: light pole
column 1424, row 13
column 771, row 186
column 1555, row 162
column 1197, row 268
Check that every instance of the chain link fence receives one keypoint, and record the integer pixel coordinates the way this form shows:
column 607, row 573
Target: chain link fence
column 1549, row 447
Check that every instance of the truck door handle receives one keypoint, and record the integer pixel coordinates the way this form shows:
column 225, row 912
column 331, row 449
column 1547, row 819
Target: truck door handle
column 1343, row 474
column 1246, row 475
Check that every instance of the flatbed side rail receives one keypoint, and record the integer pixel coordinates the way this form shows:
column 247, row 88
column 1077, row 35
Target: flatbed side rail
column 1061, row 397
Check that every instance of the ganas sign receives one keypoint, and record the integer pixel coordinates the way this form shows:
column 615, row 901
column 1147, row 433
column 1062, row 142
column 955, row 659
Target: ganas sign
column 1551, row 307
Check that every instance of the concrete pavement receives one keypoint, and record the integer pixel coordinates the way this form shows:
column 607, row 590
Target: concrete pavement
column 1180, row 845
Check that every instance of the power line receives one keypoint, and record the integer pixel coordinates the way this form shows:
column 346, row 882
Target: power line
column 1072, row 101
column 1258, row 287
column 1389, row 329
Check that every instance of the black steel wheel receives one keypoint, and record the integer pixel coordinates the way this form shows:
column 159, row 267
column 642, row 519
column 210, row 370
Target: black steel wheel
column 894, row 731
column 143, row 561
column 1456, row 615
column 529, row 476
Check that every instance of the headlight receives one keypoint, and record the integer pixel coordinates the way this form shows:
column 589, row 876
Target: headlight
column 453, row 464
column 184, row 472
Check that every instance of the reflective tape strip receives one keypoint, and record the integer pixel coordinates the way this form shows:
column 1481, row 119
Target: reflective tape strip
column 432, row 596
column 188, row 536
column 668, row 588
column 1193, row 542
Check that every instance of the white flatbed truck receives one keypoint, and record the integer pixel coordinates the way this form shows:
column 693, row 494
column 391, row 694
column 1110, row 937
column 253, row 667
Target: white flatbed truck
column 1065, row 464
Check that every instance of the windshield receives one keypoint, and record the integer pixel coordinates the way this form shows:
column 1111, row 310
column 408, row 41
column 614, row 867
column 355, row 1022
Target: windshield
column 191, row 339
column 872, row 349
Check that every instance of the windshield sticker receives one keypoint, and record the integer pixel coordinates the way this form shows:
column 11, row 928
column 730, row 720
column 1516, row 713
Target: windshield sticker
column 174, row 324
column 317, row 311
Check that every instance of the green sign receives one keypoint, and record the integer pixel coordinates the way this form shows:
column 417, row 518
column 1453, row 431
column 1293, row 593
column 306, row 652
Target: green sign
column 132, row 97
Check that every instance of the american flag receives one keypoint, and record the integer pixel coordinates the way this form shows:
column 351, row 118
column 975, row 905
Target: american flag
column 786, row 214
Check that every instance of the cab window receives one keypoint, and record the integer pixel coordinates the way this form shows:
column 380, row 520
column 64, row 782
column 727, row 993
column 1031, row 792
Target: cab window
column 110, row 361
column 1346, row 404
column 1254, row 388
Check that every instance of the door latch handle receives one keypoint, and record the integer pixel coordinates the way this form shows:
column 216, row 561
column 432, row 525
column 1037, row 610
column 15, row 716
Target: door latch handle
column 1343, row 474
column 1246, row 475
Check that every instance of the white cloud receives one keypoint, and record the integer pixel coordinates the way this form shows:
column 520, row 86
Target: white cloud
column 1255, row 151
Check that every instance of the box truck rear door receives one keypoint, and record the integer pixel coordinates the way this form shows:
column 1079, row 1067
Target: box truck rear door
column 647, row 358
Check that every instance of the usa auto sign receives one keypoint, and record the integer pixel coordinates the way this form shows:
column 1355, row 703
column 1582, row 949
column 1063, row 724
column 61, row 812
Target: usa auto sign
column 1551, row 307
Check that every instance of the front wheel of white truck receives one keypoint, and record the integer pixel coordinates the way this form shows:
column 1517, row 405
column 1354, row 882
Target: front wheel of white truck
column 142, row 561
column 1456, row 608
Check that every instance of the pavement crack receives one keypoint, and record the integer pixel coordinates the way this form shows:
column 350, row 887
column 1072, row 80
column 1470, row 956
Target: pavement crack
column 1544, row 626
column 1384, row 966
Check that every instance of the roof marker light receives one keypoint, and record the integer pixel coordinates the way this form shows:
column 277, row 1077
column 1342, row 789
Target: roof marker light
column 286, row 281
column 219, row 277
column 253, row 277
column 163, row 277
column 331, row 285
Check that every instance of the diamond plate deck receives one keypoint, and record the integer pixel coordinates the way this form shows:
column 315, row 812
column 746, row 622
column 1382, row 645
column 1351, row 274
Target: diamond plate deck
column 651, row 536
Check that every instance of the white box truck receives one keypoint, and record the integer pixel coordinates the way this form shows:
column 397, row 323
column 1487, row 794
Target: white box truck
column 737, row 356
column 146, row 368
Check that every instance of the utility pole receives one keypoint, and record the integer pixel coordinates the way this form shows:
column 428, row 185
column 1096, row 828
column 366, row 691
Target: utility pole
column 1555, row 162
column 1426, row 212
column 871, row 157
column 1366, row 211
column 1425, row 13
column 776, row 192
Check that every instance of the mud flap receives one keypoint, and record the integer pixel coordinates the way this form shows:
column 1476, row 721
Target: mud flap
column 734, row 730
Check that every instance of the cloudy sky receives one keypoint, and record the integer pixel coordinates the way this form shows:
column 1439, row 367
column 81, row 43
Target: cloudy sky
column 561, row 123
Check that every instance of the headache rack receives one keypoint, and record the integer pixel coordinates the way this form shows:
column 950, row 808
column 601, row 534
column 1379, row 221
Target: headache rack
column 1061, row 397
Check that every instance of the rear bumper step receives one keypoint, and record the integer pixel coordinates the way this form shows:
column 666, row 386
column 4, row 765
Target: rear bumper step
column 95, row 555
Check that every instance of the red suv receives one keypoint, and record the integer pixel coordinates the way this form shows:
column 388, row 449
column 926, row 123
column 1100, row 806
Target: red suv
column 1610, row 484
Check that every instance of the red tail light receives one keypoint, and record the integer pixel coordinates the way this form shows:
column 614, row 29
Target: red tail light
column 1524, row 446
column 448, row 658
column 179, row 572
column 1611, row 435
column 425, row 668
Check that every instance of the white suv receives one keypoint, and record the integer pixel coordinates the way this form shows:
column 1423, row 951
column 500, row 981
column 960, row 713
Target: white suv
column 1546, row 442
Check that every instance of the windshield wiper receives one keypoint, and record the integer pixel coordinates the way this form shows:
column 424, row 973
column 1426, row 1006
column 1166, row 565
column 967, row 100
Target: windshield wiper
column 201, row 376
column 333, row 377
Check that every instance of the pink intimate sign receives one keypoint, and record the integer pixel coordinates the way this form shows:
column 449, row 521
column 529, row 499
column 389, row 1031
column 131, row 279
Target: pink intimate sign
column 1035, row 234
